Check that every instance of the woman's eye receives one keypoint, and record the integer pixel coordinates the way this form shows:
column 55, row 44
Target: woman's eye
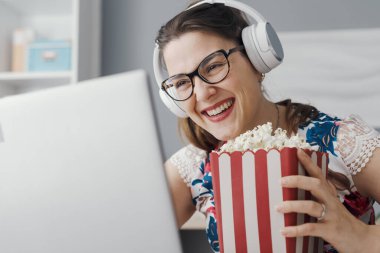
column 214, row 67
column 181, row 84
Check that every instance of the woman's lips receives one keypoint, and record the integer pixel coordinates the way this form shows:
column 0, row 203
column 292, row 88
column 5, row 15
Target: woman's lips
column 220, row 111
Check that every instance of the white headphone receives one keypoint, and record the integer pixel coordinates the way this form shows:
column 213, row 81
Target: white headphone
column 260, row 40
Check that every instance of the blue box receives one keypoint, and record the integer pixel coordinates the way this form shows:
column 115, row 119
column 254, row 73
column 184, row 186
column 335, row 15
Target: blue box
column 49, row 56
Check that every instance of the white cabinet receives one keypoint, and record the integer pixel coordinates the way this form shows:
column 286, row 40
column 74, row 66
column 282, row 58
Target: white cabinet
column 76, row 21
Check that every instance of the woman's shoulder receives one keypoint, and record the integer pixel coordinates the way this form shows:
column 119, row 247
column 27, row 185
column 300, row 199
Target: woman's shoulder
column 321, row 131
column 356, row 141
column 350, row 138
column 187, row 161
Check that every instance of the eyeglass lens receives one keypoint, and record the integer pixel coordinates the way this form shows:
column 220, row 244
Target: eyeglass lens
column 212, row 69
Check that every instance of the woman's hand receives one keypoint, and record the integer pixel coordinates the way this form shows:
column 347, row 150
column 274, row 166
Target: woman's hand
column 335, row 224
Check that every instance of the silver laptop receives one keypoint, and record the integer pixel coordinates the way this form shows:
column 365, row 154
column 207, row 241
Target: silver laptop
column 81, row 170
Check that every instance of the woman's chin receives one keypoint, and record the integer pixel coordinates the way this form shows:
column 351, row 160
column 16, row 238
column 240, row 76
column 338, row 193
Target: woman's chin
column 223, row 136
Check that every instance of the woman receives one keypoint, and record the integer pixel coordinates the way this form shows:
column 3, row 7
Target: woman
column 222, row 97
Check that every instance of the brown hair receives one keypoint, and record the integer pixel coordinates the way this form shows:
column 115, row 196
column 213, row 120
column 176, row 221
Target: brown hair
column 210, row 18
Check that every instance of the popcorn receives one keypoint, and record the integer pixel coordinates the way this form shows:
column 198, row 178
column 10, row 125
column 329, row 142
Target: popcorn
column 261, row 138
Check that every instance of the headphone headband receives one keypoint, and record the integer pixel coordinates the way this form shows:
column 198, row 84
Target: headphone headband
column 236, row 5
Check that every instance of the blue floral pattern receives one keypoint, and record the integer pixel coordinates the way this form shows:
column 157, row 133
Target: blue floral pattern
column 322, row 132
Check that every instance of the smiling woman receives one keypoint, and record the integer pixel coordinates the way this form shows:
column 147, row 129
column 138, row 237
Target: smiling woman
column 231, row 89
column 210, row 64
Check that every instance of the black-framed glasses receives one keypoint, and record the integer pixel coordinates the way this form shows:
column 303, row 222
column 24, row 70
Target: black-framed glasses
column 212, row 69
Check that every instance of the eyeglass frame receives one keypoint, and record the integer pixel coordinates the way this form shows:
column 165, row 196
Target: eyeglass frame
column 196, row 71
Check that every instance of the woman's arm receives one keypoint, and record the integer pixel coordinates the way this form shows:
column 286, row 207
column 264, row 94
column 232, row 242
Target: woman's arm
column 367, row 181
column 338, row 227
column 181, row 195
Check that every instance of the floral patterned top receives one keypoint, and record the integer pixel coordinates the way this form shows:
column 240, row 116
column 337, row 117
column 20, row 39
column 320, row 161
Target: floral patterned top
column 349, row 143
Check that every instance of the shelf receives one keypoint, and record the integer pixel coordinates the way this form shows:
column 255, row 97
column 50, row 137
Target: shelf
column 77, row 21
column 33, row 75
column 39, row 7
column 35, row 78
column 26, row 76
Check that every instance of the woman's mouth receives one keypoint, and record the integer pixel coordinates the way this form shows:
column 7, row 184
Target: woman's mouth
column 219, row 111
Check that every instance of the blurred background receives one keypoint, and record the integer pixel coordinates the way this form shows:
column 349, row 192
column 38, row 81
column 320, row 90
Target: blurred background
column 99, row 38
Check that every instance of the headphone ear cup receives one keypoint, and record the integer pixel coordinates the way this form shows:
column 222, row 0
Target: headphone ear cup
column 262, row 46
column 249, row 40
column 171, row 105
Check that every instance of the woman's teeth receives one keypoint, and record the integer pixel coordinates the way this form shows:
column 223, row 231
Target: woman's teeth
column 220, row 108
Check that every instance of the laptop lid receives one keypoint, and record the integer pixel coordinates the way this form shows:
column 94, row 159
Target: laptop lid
column 81, row 170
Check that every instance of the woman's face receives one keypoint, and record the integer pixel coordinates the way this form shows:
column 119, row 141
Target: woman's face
column 225, row 109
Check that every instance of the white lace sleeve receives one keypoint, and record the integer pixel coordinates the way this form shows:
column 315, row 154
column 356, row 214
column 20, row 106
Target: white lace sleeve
column 188, row 160
column 356, row 143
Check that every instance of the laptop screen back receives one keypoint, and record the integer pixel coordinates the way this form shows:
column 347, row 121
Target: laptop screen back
column 81, row 170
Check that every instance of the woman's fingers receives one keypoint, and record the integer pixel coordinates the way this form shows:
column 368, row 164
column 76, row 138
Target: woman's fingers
column 309, row 207
column 314, row 185
column 306, row 229
column 308, row 164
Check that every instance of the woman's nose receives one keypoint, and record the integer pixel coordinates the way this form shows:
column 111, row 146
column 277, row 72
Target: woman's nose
column 203, row 90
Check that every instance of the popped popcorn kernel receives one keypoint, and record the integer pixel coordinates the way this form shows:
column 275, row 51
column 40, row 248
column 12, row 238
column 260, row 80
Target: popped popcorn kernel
column 261, row 137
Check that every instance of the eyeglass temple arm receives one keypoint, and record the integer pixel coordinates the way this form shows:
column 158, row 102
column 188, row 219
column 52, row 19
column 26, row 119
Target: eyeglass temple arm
column 235, row 49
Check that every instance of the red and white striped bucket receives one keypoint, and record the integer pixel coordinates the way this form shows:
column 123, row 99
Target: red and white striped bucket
column 247, row 188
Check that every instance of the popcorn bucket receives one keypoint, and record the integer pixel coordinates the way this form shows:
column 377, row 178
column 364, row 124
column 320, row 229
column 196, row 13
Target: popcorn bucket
column 247, row 188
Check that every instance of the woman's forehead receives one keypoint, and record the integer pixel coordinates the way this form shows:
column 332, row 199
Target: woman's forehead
column 183, row 54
